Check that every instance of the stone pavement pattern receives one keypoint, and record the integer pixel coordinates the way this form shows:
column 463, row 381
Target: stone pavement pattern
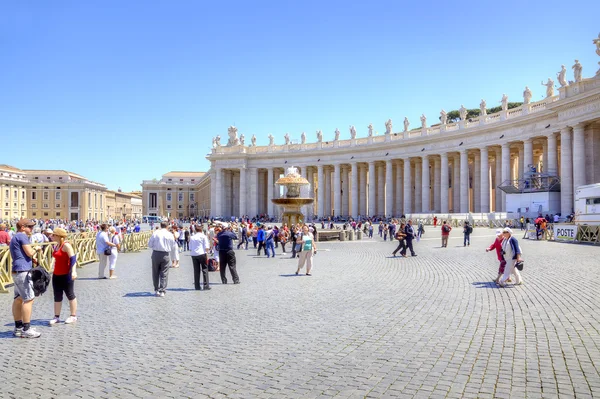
column 364, row 325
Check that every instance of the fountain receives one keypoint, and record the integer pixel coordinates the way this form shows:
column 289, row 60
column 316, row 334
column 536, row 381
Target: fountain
column 292, row 202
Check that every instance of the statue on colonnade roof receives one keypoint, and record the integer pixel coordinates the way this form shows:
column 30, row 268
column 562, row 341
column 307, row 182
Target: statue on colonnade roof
column 577, row 69
column 443, row 117
column 406, row 124
column 527, row 95
column 352, row 132
column 287, row 138
column 388, row 127
column 233, row 138
column 242, row 139
column 253, row 140
column 271, row 139
column 370, row 127
column 337, row 134
column 303, row 138
column 549, row 87
column 561, row 76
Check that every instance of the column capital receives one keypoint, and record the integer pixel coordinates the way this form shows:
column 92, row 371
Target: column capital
column 528, row 141
column 580, row 127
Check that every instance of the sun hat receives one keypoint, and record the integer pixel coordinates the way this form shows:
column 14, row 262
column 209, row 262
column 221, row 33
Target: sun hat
column 507, row 230
column 498, row 231
column 59, row 232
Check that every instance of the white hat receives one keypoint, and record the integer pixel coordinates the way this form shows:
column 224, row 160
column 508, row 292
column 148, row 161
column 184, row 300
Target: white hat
column 225, row 225
column 507, row 230
column 498, row 231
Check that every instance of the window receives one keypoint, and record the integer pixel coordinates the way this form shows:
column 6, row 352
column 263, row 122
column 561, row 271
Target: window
column 57, row 196
column 193, row 179
column 168, row 206
column 48, row 178
column 180, row 179
column 168, row 196
column 57, row 205
column 180, row 197
column 60, row 178
column 46, row 196
column 6, row 204
column 90, row 202
column 192, row 196
column 34, row 206
column 58, row 188
column 170, row 179
column 34, row 188
column 153, row 200
column 180, row 207
column 58, row 213
column 7, row 193
column 36, row 178
column 45, row 213
column 14, row 204
column 34, row 213
column 33, row 195
column 22, row 194
column 46, row 205
column 15, row 195
column 592, row 201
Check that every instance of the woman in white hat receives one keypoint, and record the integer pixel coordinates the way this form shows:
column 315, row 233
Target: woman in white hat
column 115, row 238
column 63, row 275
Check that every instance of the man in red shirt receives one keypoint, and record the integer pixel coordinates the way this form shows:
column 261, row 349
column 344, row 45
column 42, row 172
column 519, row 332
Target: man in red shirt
column 445, row 233
column 4, row 237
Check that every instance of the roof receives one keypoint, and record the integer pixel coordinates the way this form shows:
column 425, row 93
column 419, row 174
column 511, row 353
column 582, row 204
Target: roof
column 184, row 174
column 10, row 168
column 49, row 172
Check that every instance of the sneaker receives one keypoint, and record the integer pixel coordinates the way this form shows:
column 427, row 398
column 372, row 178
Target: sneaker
column 112, row 277
column 71, row 319
column 31, row 333
column 54, row 321
column 18, row 332
column 157, row 293
column 162, row 294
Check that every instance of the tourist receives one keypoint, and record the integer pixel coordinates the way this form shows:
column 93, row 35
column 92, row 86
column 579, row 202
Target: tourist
column 512, row 254
column 115, row 238
column 186, row 241
column 276, row 236
column 260, row 237
column 420, row 231
column 181, row 238
column 283, row 237
column 467, row 230
column 199, row 247
column 102, row 244
column 4, row 237
column 445, row 234
column 293, row 233
column 410, row 236
column 307, row 250
column 254, row 235
column 497, row 245
column 435, row 219
column 370, row 230
column 243, row 238
column 175, row 251
column 227, row 254
column 63, row 275
column 269, row 242
column 400, row 236
column 22, row 254
column 37, row 237
column 381, row 227
column 162, row 243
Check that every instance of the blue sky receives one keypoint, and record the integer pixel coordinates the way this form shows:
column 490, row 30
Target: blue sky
column 124, row 91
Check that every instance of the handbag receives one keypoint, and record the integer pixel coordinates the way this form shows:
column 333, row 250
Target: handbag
column 108, row 251
column 519, row 265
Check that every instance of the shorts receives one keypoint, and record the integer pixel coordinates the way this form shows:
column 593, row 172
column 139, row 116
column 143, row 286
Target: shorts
column 60, row 285
column 23, row 286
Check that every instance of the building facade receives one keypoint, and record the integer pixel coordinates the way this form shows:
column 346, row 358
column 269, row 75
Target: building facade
column 445, row 168
column 13, row 192
column 177, row 195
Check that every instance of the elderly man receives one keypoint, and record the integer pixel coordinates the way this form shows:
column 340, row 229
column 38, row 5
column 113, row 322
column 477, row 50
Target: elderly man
column 22, row 262
column 512, row 255
column 4, row 237
column 161, row 243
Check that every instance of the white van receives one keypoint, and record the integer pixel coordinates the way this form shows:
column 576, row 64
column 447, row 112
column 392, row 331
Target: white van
column 587, row 204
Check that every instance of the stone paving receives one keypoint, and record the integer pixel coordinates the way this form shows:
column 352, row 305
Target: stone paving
column 364, row 325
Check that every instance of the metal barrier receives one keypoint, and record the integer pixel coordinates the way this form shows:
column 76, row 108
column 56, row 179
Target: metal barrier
column 85, row 249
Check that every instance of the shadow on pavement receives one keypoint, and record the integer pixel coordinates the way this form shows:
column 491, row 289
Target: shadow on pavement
column 485, row 284
column 138, row 294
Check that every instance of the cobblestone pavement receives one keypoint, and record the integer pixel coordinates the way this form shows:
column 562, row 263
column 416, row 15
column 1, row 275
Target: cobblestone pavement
column 364, row 325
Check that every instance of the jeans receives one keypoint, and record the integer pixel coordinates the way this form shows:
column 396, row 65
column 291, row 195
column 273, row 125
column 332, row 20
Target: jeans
column 467, row 239
column 401, row 247
column 270, row 248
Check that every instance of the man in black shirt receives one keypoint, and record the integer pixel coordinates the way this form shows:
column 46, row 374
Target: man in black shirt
column 227, row 254
column 410, row 235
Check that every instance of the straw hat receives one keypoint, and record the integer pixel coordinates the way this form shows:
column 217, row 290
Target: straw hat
column 60, row 232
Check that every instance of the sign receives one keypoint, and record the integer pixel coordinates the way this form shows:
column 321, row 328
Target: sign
column 531, row 232
column 565, row 232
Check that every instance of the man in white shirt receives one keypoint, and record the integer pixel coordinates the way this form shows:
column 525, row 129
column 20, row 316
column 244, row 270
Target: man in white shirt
column 199, row 247
column 162, row 243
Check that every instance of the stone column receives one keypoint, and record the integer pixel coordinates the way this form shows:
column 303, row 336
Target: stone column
column 566, row 172
column 321, row 191
column 218, row 193
column 389, row 189
column 327, row 188
column 521, row 168
column 476, row 183
column 579, row 172
column 544, row 160
column 552, row 162
column 425, row 184
column 380, row 189
column 372, row 188
column 418, row 202
column 497, row 180
column 444, row 206
column 485, row 181
column 345, row 191
column 407, row 206
column 505, row 175
column 269, row 191
column 363, row 188
column 456, row 184
column 354, row 199
column 311, row 192
column 399, row 186
column 437, row 200
column 337, row 188
column 464, row 182
column 252, row 209
column 527, row 154
column 243, row 195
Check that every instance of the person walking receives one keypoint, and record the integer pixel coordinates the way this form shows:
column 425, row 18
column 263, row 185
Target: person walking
column 467, row 230
column 243, row 236
column 260, row 237
column 400, row 236
column 283, row 237
column 102, row 244
column 269, row 242
column 410, row 236
column 22, row 254
column 162, row 243
column 63, row 276
column 186, row 242
column 497, row 245
column 175, row 251
column 293, row 233
column 512, row 254
column 227, row 254
column 307, row 250
column 445, row 234
column 199, row 247
column 115, row 238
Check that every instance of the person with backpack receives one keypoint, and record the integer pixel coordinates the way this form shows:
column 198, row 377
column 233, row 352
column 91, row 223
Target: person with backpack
column 22, row 255
column 269, row 242
column 512, row 253
column 63, row 276
column 467, row 230
column 445, row 234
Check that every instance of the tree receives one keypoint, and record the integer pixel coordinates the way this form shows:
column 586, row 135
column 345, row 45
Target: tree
column 454, row 115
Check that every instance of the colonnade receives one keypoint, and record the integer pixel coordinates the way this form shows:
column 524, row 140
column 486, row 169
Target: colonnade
column 460, row 181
